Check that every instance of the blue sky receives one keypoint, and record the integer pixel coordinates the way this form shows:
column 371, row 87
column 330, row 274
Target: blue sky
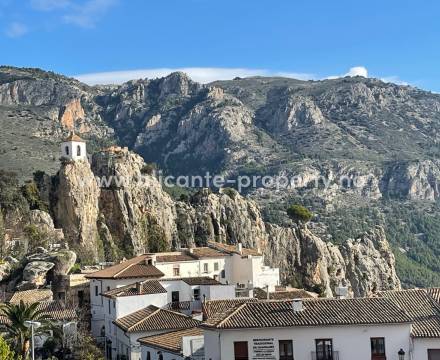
column 394, row 40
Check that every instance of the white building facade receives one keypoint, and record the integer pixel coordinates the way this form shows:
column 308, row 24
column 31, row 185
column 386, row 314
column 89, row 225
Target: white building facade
column 320, row 329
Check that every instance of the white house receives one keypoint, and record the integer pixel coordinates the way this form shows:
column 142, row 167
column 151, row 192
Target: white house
column 422, row 305
column 184, row 295
column 238, row 267
column 145, row 322
column 174, row 345
column 119, row 275
column 74, row 148
column 316, row 329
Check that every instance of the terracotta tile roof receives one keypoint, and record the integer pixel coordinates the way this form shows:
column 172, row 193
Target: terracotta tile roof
column 32, row 296
column 174, row 257
column 207, row 252
column 434, row 293
column 232, row 249
column 73, row 137
column 202, row 280
column 261, row 294
column 148, row 287
column 55, row 310
column 421, row 307
column 316, row 312
column 153, row 318
column 213, row 307
column 170, row 341
column 133, row 268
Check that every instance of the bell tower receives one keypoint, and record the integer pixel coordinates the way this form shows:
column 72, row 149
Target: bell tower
column 74, row 148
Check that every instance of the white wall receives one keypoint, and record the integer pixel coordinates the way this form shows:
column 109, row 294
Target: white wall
column 72, row 150
column 192, row 268
column 352, row 342
column 97, row 302
column 191, row 345
column 217, row 292
column 155, row 356
column 421, row 347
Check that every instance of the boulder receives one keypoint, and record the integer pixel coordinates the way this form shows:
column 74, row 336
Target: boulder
column 35, row 272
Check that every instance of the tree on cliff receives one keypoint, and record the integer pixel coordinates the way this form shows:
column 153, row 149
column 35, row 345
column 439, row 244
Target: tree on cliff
column 299, row 214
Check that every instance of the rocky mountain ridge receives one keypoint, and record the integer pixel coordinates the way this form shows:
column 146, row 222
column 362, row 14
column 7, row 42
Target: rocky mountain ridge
column 380, row 138
column 129, row 217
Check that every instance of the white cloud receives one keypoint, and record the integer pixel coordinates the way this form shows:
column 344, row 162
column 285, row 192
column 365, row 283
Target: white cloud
column 16, row 29
column 357, row 71
column 87, row 14
column 353, row 71
column 208, row 74
column 199, row 74
column 394, row 80
column 49, row 5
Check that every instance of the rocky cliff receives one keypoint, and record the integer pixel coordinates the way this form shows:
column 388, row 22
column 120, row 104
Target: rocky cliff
column 355, row 145
column 131, row 213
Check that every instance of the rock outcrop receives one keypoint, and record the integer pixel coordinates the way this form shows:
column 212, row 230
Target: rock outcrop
column 76, row 206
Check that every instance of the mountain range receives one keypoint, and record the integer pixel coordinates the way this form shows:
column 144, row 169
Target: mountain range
column 382, row 139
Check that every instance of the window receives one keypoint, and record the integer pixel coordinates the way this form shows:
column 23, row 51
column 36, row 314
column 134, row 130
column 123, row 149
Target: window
column 223, row 274
column 324, row 349
column 205, row 267
column 286, row 349
column 78, row 150
column 96, row 290
column 241, row 350
column 196, row 293
column 216, row 266
column 66, row 150
column 109, row 307
column 176, row 270
column 378, row 348
column 108, row 288
column 148, row 356
column 160, row 357
column 175, row 296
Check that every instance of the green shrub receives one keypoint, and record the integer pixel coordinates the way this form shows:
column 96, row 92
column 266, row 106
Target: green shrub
column 299, row 214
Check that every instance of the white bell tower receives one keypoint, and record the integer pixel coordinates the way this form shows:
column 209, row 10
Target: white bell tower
column 74, row 148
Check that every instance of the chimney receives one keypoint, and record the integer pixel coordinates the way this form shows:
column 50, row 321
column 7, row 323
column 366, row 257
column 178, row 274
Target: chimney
column 341, row 291
column 239, row 247
column 139, row 288
column 297, row 305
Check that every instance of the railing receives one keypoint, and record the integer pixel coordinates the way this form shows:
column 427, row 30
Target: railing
column 190, row 306
column 335, row 356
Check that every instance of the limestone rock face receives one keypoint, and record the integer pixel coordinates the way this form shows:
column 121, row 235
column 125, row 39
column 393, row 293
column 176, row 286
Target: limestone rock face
column 133, row 206
column 370, row 263
column 76, row 208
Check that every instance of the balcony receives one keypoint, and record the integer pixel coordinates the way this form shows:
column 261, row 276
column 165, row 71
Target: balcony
column 185, row 306
column 334, row 356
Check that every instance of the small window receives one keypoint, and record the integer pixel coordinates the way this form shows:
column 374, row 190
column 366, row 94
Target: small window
column 160, row 357
column 223, row 274
column 378, row 348
column 66, row 150
column 108, row 288
column 241, row 350
column 96, row 291
column 148, row 356
column 216, row 266
column 286, row 349
column 78, row 150
column 196, row 293
column 205, row 267
column 324, row 349
column 176, row 270
column 109, row 307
